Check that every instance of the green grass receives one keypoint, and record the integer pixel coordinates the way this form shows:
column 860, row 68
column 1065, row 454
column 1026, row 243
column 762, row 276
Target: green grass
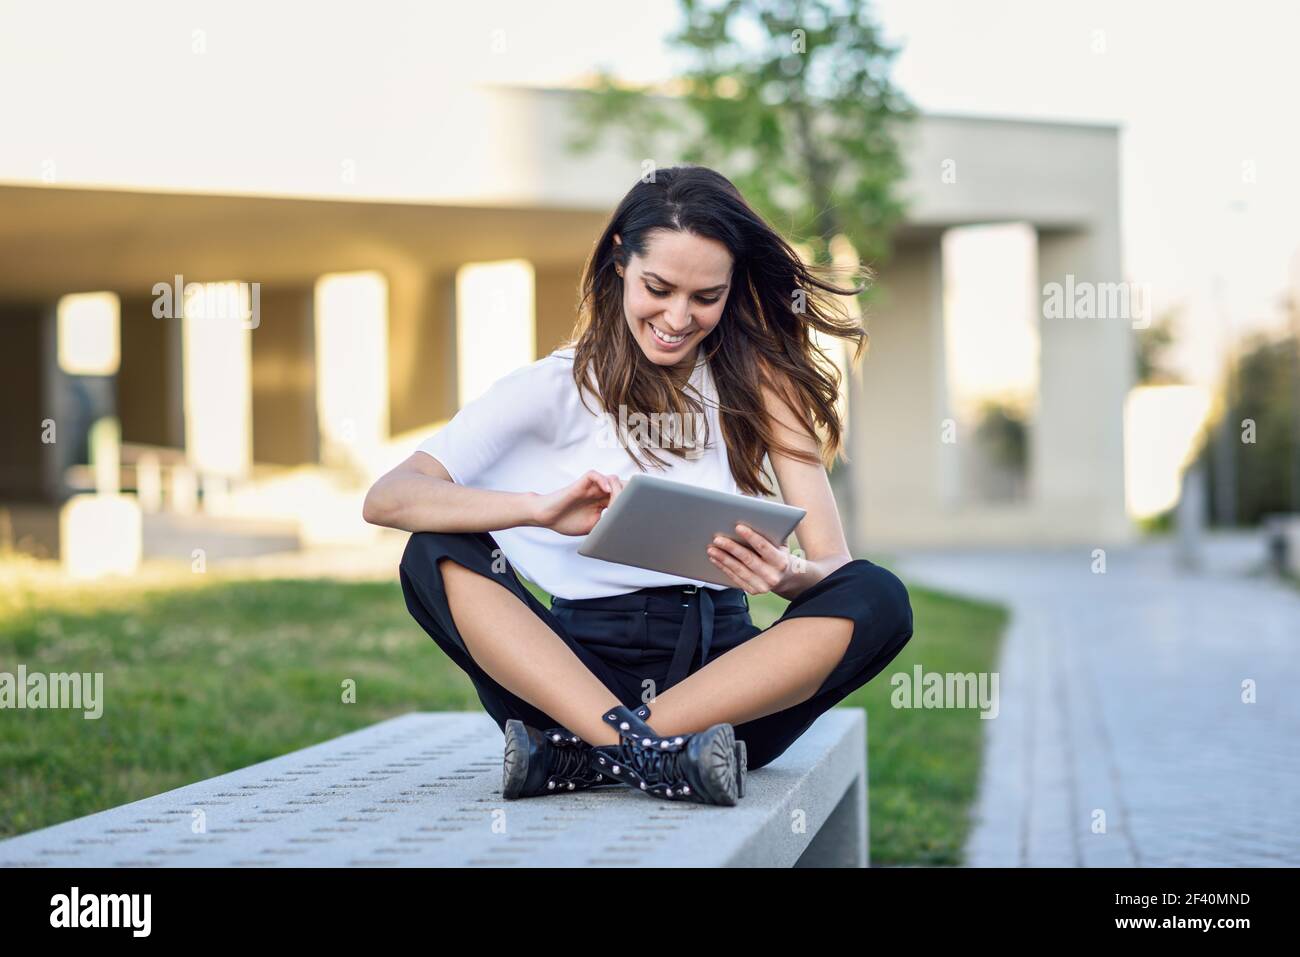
column 201, row 679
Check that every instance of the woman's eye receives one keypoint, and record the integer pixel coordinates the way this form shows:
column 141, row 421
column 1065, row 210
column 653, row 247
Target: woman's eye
column 660, row 293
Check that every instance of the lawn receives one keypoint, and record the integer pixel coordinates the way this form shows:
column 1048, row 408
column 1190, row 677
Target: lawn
column 204, row 675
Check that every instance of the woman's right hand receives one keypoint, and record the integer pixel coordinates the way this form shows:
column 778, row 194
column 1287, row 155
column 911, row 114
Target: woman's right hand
column 575, row 509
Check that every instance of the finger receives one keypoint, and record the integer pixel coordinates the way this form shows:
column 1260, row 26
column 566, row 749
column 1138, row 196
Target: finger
column 766, row 569
column 729, row 576
column 594, row 482
column 741, row 559
column 737, row 550
column 738, row 572
column 719, row 562
column 576, row 492
column 764, row 547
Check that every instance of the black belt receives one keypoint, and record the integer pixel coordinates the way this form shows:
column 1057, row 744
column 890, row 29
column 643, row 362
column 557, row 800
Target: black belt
column 697, row 623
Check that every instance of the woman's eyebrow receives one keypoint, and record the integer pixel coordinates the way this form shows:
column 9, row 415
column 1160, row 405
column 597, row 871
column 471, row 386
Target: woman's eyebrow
column 717, row 288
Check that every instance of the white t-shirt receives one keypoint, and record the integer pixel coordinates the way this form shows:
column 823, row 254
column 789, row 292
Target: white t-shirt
column 530, row 432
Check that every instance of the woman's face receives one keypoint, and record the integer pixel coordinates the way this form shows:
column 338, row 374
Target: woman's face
column 675, row 294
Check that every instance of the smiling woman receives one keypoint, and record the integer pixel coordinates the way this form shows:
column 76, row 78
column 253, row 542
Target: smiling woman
column 691, row 305
column 690, row 269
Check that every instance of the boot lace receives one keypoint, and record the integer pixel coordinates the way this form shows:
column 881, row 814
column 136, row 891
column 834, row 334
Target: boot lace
column 570, row 760
column 655, row 764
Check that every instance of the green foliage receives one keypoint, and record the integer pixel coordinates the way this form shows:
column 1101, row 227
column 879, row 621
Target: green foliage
column 792, row 102
column 1160, row 524
column 1261, row 431
column 1003, row 436
column 1153, row 345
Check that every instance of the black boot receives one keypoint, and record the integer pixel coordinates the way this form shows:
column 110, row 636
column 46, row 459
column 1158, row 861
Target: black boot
column 742, row 755
column 546, row 762
column 699, row 767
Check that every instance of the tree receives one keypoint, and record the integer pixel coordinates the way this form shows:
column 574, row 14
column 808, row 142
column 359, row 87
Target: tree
column 792, row 100
column 1153, row 344
column 1001, row 445
column 1263, row 429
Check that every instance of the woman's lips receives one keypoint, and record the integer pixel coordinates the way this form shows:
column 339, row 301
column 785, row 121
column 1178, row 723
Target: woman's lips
column 663, row 344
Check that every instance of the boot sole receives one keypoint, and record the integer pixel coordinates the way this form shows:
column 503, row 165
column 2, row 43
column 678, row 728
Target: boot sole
column 718, row 775
column 514, row 767
column 742, row 767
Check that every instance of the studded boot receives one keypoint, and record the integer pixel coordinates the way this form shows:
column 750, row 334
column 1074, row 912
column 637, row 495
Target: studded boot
column 698, row 767
column 546, row 762
column 742, row 754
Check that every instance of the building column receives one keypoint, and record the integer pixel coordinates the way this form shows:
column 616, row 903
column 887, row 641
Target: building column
column 285, row 426
column 352, row 370
column 1086, row 370
column 421, row 347
column 904, row 472
column 217, row 323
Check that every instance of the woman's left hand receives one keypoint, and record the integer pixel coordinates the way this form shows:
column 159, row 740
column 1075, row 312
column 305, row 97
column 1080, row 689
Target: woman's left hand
column 754, row 563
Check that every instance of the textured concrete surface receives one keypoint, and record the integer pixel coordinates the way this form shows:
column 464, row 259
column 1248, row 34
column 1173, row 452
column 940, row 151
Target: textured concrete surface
column 424, row 789
column 1121, row 694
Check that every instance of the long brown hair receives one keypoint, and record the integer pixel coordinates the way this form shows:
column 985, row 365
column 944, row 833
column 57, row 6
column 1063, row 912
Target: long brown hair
column 764, row 335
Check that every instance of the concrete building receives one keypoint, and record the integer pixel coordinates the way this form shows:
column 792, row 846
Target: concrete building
column 367, row 317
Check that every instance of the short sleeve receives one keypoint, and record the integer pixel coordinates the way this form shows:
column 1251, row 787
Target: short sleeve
column 483, row 442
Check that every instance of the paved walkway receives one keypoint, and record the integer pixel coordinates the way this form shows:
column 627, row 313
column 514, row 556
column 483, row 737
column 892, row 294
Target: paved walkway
column 1122, row 693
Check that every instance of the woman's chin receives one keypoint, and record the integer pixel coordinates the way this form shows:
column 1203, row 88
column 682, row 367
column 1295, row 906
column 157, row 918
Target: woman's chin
column 667, row 361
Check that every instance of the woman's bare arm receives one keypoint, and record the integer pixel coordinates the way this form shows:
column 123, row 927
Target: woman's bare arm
column 805, row 485
column 420, row 496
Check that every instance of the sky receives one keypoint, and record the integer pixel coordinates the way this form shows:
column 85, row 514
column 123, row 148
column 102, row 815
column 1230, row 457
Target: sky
column 1204, row 95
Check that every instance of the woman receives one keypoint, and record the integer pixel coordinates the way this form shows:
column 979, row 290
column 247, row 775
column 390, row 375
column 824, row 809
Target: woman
column 693, row 308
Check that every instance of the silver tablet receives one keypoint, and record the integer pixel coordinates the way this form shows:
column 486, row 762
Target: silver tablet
column 667, row 526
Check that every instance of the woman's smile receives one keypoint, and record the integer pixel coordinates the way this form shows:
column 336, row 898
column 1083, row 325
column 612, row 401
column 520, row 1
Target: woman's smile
column 665, row 341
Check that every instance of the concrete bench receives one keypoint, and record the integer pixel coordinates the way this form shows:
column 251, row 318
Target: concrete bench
column 424, row 789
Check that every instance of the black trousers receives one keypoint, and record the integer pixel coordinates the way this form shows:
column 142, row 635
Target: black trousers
column 641, row 643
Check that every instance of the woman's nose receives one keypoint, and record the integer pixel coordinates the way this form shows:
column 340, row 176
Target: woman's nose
column 677, row 319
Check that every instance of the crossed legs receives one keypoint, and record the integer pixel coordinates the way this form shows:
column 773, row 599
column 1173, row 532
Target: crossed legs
column 779, row 668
